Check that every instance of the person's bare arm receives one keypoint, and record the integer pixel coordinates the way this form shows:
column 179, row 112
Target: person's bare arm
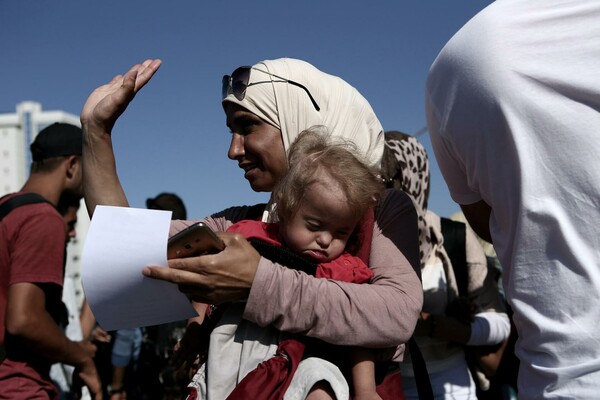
column 101, row 110
column 489, row 357
column 87, row 320
column 363, row 374
column 91, row 331
column 478, row 215
column 29, row 322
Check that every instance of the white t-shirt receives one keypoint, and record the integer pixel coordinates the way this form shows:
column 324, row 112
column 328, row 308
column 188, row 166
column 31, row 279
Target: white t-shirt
column 513, row 108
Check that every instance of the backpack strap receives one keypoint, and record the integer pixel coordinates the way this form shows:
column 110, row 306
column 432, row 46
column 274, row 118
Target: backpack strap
column 20, row 200
column 455, row 244
column 422, row 381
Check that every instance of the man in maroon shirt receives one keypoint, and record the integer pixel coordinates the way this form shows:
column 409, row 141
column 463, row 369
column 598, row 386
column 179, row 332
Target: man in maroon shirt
column 32, row 250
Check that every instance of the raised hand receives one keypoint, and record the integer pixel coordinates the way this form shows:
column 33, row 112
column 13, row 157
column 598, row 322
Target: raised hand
column 108, row 102
column 100, row 181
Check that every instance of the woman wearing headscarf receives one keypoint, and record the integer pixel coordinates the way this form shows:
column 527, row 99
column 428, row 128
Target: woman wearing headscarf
column 448, row 322
column 266, row 106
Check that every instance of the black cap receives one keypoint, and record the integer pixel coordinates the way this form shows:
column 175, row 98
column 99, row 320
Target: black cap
column 56, row 140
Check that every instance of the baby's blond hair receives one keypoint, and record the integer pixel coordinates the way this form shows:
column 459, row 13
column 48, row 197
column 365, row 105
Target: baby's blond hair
column 314, row 151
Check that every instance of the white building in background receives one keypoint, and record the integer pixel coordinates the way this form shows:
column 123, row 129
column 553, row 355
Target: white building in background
column 17, row 132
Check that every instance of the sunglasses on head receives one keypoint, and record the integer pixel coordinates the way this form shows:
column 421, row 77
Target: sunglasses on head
column 237, row 82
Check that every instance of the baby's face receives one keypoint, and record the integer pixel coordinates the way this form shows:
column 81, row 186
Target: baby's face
column 322, row 225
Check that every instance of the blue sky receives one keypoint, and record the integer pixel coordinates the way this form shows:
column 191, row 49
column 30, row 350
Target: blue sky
column 173, row 137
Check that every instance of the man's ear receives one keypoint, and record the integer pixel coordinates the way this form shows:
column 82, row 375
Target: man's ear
column 73, row 165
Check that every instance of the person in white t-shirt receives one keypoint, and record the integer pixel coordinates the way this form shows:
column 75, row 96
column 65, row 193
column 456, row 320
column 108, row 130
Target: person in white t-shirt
column 513, row 108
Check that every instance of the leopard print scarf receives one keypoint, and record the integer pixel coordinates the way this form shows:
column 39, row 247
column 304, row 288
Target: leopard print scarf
column 405, row 166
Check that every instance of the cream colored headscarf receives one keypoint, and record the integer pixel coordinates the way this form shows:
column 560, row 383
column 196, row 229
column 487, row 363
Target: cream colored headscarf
column 344, row 111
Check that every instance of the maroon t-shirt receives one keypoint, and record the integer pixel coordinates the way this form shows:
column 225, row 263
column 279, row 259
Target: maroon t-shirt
column 32, row 249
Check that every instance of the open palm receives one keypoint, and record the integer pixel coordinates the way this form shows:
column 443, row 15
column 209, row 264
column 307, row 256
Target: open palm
column 108, row 102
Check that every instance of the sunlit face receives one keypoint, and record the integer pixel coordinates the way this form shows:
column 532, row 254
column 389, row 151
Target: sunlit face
column 257, row 147
column 321, row 227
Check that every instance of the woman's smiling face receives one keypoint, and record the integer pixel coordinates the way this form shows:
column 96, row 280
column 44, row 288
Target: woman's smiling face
column 257, row 147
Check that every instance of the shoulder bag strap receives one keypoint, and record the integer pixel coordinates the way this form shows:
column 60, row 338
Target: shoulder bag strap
column 18, row 201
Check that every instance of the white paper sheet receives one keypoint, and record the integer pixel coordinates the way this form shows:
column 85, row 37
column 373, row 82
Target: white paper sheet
column 120, row 243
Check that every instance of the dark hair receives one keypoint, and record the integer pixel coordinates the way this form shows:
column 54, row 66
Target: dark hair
column 169, row 202
column 46, row 165
column 66, row 201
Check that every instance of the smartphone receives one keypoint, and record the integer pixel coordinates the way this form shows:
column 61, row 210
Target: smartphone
column 195, row 240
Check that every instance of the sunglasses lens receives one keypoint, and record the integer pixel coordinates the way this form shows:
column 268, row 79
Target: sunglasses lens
column 225, row 90
column 236, row 83
column 239, row 82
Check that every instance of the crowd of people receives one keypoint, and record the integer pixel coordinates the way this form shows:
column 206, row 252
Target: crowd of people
column 344, row 285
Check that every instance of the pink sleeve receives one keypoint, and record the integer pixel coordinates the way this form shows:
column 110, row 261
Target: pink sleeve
column 376, row 315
